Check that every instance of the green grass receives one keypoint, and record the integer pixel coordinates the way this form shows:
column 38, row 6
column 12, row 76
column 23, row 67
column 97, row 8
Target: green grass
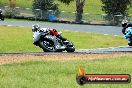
column 89, row 6
column 20, row 3
column 19, row 39
column 90, row 12
column 16, row 39
column 62, row 74
column 93, row 40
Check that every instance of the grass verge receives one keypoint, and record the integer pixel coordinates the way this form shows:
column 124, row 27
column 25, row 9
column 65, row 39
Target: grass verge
column 19, row 39
column 61, row 74
column 89, row 6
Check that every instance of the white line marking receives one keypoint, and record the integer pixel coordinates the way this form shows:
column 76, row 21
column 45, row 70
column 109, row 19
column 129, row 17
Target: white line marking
column 102, row 48
column 9, row 25
column 106, row 34
column 115, row 35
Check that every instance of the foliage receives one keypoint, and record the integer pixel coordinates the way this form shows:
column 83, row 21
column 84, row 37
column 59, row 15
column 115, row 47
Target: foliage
column 79, row 8
column 10, row 12
column 66, row 1
column 41, row 8
column 116, row 9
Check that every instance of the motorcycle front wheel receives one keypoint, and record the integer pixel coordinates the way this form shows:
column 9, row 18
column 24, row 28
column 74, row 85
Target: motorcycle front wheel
column 70, row 47
column 2, row 17
column 130, row 43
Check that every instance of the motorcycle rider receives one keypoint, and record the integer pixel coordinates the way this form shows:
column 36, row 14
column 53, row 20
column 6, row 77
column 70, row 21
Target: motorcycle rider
column 125, row 25
column 1, row 15
column 50, row 31
column 128, row 35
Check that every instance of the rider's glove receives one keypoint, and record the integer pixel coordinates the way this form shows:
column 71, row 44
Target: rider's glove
column 59, row 33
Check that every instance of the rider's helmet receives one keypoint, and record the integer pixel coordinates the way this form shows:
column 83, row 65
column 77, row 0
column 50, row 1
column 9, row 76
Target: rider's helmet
column 124, row 23
column 35, row 27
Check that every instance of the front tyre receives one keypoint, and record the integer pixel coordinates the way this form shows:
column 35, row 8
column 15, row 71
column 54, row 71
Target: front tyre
column 2, row 18
column 47, row 46
column 130, row 43
column 70, row 47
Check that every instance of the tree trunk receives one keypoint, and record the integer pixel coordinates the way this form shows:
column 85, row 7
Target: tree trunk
column 79, row 10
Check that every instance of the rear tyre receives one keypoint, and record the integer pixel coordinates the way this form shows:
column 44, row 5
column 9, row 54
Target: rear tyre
column 47, row 46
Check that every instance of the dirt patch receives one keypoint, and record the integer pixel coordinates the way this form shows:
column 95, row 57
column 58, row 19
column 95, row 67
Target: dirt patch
column 60, row 57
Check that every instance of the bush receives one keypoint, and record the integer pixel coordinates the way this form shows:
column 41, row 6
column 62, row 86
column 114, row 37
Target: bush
column 10, row 13
column 115, row 9
column 42, row 8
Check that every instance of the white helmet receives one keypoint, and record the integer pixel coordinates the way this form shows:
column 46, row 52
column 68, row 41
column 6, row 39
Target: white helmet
column 35, row 27
column 124, row 23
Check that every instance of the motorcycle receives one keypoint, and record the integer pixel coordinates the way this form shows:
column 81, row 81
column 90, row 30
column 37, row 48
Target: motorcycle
column 1, row 16
column 50, row 43
column 128, row 35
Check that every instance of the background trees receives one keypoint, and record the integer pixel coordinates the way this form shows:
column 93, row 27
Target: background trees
column 41, row 7
column 79, row 8
column 115, row 9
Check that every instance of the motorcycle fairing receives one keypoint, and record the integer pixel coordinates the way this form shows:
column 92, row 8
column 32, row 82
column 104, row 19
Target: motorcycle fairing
column 36, row 36
column 55, row 40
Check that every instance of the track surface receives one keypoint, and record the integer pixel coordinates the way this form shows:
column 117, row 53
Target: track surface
column 74, row 27
column 83, row 28
column 111, row 50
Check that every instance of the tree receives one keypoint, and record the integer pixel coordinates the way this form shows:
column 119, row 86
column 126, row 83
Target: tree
column 41, row 7
column 79, row 8
column 12, row 3
column 11, row 10
column 115, row 9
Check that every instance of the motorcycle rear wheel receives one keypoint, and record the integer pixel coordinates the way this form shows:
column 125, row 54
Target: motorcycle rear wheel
column 47, row 46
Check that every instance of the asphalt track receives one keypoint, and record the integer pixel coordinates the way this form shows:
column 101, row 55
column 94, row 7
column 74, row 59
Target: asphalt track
column 106, row 30
column 75, row 27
